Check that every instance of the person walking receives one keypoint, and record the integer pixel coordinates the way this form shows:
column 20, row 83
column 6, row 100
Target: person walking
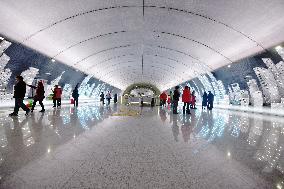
column 39, row 96
column 57, row 92
column 210, row 99
column 186, row 99
column 193, row 100
column 163, row 98
column 75, row 95
column 19, row 95
column 204, row 100
column 108, row 97
column 176, row 96
column 102, row 98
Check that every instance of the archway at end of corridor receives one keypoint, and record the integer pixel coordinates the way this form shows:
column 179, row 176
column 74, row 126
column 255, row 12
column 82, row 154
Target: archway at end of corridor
column 140, row 93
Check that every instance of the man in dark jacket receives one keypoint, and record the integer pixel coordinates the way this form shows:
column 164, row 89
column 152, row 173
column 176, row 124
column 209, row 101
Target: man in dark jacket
column 210, row 99
column 102, row 98
column 19, row 95
column 75, row 95
column 176, row 99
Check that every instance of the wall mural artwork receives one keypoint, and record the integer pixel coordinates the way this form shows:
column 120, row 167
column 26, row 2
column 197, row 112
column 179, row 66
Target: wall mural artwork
column 15, row 59
column 257, row 81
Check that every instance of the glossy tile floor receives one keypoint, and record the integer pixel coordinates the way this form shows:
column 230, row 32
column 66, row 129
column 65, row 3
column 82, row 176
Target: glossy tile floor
column 102, row 147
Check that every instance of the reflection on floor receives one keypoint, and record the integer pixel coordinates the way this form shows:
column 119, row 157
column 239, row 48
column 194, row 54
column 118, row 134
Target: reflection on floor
column 94, row 147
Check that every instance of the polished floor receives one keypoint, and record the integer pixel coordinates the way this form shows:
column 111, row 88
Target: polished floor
column 133, row 147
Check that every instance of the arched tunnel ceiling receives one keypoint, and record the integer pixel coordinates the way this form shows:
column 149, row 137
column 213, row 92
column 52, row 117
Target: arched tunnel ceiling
column 163, row 42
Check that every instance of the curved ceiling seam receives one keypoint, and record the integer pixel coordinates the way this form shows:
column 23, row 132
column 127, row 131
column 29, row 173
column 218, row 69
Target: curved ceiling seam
column 171, row 59
column 104, row 50
column 147, row 6
column 133, row 70
column 86, row 40
column 184, row 53
column 198, row 42
column 126, row 81
column 158, row 68
column 146, row 76
column 112, row 58
column 71, row 17
column 138, row 65
column 114, row 64
column 128, row 45
column 123, row 31
column 138, row 75
column 147, row 54
column 180, row 62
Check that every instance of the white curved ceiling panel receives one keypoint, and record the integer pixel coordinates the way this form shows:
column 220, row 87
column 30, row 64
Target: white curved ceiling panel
column 163, row 42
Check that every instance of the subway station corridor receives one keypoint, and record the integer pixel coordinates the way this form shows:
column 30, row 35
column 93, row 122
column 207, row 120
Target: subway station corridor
column 133, row 147
column 142, row 94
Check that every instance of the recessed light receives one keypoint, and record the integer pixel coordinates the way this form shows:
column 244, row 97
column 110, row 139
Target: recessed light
column 52, row 60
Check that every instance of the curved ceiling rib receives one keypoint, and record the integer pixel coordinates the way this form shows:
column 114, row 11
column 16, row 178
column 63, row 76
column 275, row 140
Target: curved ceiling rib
column 147, row 6
column 195, row 41
column 117, row 64
column 104, row 50
column 160, row 32
column 113, row 65
column 132, row 80
column 158, row 46
column 167, row 72
column 181, row 52
column 112, row 58
column 133, row 70
column 145, row 74
column 86, row 40
column 147, row 54
column 125, row 55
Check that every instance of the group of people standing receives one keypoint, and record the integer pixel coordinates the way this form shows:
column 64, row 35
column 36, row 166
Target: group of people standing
column 20, row 93
column 188, row 99
column 207, row 100
column 108, row 97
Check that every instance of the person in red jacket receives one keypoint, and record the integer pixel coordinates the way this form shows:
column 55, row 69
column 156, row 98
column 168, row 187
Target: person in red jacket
column 57, row 92
column 163, row 98
column 186, row 99
column 39, row 95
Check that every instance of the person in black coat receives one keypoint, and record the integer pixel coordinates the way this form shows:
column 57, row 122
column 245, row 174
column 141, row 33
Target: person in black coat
column 204, row 100
column 176, row 99
column 75, row 95
column 210, row 99
column 19, row 95
column 102, row 98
